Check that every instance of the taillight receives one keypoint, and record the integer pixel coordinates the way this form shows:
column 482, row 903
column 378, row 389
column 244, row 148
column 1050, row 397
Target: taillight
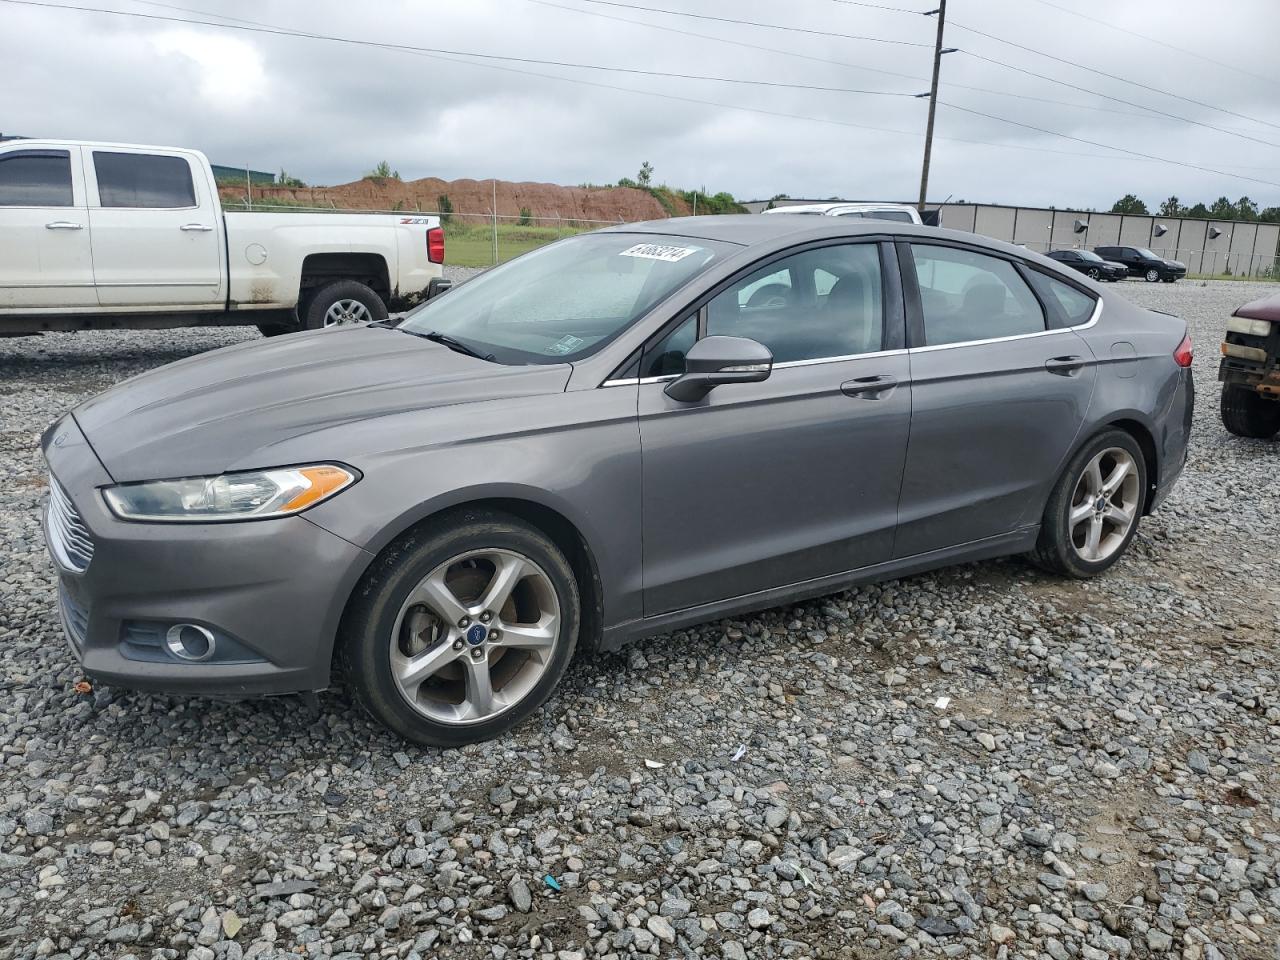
column 1185, row 352
column 435, row 245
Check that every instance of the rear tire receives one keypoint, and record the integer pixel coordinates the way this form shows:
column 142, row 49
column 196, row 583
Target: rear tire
column 1064, row 545
column 1246, row 414
column 393, row 623
column 343, row 303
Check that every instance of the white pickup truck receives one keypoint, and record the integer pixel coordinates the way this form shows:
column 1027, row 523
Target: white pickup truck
column 101, row 235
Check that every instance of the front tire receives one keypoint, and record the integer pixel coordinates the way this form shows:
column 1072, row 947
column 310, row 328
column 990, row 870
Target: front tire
column 461, row 629
column 1152, row 275
column 343, row 303
column 1094, row 509
column 1093, row 273
column 1246, row 414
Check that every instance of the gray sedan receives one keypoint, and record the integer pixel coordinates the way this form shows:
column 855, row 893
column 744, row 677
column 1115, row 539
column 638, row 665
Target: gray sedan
column 614, row 436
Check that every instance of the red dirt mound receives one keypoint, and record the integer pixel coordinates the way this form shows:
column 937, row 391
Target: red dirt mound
column 474, row 199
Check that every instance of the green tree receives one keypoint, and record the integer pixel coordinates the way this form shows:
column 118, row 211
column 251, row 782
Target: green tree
column 288, row 180
column 1171, row 208
column 1129, row 204
column 382, row 171
column 1270, row 215
column 645, row 177
column 1246, row 209
column 1198, row 212
column 526, row 216
column 445, row 205
column 1223, row 209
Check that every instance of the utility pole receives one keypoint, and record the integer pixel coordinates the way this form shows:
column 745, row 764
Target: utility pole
column 938, row 51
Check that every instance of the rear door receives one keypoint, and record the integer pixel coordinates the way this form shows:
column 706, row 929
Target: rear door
column 795, row 478
column 155, row 221
column 45, row 257
column 1000, row 389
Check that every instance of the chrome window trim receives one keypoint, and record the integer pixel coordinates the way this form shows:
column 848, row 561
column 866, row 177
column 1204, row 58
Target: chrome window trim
column 785, row 365
column 1093, row 319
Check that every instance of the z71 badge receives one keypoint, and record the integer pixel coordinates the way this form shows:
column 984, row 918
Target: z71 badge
column 415, row 219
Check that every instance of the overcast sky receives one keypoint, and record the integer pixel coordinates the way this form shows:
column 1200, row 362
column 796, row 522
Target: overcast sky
column 328, row 112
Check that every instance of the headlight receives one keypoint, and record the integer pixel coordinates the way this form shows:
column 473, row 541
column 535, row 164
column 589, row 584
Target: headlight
column 250, row 495
column 1251, row 328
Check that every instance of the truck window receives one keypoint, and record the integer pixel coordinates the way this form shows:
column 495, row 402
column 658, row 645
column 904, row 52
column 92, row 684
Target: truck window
column 35, row 178
column 143, row 180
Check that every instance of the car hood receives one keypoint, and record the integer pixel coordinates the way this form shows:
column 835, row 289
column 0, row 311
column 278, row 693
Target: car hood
column 1264, row 308
column 1115, row 266
column 1175, row 263
column 205, row 414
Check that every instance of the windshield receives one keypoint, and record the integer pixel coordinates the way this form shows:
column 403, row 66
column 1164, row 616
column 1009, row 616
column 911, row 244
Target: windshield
column 1090, row 255
column 565, row 300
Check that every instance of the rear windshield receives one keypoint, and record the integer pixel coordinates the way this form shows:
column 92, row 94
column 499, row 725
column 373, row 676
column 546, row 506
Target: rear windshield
column 568, row 299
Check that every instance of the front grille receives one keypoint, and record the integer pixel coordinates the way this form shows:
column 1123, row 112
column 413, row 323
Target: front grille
column 74, row 617
column 69, row 538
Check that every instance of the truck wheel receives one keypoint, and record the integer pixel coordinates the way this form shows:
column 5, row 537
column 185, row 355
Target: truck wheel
column 1245, row 413
column 460, row 629
column 343, row 303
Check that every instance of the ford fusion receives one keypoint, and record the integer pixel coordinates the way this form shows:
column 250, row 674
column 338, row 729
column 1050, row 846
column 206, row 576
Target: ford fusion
column 616, row 435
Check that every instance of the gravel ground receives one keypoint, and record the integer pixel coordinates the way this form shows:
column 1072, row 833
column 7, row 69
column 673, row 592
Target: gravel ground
column 983, row 761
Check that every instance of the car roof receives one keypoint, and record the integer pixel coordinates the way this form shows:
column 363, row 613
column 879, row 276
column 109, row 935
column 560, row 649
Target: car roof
column 850, row 205
column 749, row 230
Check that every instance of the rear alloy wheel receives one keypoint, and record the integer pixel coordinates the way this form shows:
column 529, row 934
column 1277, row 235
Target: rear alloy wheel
column 1152, row 275
column 1095, row 507
column 463, row 631
column 343, row 303
column 1246, row 413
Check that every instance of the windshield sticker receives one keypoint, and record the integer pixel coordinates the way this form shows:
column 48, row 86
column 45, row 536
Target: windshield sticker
column 566, row 344
column 656, row 251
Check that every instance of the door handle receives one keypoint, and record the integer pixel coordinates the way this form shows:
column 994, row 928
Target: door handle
column 869, row 388
column 1064, row 366
column 196, row 227
column 64, row 225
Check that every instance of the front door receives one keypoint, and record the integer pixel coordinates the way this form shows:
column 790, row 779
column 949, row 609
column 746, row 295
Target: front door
column 794, row 478
column 999, row 392
column 156, row 236
column 45, row 258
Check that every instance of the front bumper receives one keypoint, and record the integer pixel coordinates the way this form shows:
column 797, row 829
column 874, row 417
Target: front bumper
column 274, row 589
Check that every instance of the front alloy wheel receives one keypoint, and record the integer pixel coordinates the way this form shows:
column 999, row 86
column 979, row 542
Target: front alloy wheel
column 461, row 628
column 1093, row 273
column 1152, row 275
column 1094, row 509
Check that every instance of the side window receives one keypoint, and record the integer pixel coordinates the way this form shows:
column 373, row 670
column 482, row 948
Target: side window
column 970, row 296
column 143, row 180
column 666, row 357
column 35, row 178
column 1076, row 305
column 825, row 302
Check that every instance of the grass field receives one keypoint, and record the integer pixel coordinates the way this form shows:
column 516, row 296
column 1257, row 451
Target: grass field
column 471, row 245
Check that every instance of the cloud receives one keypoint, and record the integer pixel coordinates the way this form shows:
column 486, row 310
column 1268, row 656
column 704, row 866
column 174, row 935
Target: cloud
column 328, row 111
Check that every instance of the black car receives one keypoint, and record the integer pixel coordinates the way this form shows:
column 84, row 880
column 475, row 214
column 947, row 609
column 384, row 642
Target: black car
column 1089, row 264
column 1141, row 262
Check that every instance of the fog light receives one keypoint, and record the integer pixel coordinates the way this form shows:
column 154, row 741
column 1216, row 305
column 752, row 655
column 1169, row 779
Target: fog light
column 190, row 641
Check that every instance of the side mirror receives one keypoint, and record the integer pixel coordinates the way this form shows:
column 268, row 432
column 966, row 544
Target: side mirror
column 716, row 360
column 438, row 286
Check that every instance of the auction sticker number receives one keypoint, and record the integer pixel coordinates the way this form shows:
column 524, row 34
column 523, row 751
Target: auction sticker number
column 656, row 251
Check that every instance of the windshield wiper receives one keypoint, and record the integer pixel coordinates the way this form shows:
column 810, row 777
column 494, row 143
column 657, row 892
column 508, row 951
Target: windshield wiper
column 455, row 345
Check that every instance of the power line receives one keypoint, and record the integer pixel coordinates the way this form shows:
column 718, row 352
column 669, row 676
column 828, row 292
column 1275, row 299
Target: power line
column 1095, row 143
column 1149, row 39
column 999, row 63
column 825, row 60
column 255, row 27
column 1112, row 76
column 755, row 23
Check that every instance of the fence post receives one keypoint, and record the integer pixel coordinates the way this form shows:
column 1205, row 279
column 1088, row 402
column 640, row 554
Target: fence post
column 248, row 187
column 495, row 222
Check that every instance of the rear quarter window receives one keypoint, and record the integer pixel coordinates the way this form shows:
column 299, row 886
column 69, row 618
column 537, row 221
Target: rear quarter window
column 1076, row 305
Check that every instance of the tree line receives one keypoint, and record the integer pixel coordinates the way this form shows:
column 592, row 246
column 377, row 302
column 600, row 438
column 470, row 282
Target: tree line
column 1221, row 209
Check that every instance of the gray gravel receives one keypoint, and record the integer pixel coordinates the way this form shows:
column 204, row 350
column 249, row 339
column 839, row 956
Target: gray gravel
column 984, row 761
